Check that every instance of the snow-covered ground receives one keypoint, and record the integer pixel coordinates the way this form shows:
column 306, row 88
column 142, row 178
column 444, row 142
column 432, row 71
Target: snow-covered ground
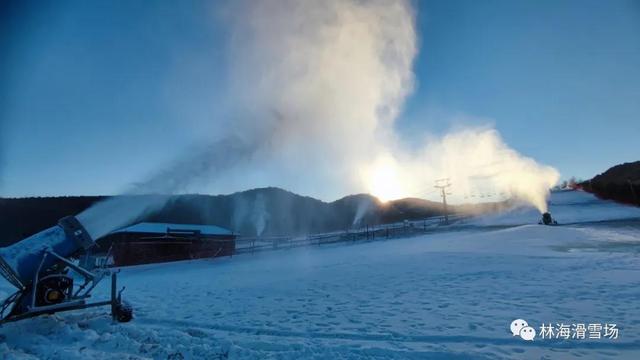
column 445, row 295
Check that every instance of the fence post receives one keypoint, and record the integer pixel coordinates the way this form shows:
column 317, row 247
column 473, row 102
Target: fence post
column 113, row 296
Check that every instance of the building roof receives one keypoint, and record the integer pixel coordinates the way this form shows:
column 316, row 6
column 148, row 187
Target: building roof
column 163, row 228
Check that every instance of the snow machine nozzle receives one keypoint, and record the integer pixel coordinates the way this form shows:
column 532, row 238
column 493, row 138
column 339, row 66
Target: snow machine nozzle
column 75, row 230
column 39, row 267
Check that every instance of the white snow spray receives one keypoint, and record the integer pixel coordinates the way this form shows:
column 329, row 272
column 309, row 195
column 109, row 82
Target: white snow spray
column 315, row 88
column 151, row 195
column 473, row 159
column 305, row 78
column 364, row 206
column 249, row 209
column 336, row 74
column 260, row 215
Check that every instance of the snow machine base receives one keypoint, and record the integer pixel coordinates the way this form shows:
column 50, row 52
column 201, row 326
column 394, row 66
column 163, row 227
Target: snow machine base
column 54, row 292
column 547, row 220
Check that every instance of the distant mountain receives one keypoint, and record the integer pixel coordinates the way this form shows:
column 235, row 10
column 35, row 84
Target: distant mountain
column 620, row 183
column 265, row 211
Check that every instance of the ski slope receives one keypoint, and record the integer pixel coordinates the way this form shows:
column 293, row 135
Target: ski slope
column 449, row 295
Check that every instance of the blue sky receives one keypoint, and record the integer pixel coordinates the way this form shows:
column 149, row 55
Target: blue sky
column 96, row 95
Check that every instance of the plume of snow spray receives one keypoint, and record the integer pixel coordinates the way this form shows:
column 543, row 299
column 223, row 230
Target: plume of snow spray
column 363, row 207
column 151, row 195
column 329, row 77
column 260, row 215
column 248, row 209
column 336, row 73
column 315, row 85
column 469, row 158
column 315, row 89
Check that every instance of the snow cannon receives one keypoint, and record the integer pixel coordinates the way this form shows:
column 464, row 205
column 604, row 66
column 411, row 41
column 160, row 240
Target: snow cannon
column 43, row 269
column 547, row 220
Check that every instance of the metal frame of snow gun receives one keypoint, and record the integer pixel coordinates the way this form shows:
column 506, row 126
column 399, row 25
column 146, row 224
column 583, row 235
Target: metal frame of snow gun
column 74, row 299
column 39, row 268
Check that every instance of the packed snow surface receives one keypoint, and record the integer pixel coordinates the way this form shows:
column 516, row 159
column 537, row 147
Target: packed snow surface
column 446, row 295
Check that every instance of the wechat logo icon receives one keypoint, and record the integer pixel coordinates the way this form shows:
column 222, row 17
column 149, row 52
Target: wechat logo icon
column 521, row 328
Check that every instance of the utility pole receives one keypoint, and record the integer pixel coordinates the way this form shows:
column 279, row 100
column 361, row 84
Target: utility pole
column 443, row 184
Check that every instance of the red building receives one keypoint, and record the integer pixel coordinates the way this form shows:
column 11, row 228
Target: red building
column 146, row 243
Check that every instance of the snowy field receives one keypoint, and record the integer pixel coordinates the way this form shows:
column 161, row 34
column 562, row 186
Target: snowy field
column 450, row 295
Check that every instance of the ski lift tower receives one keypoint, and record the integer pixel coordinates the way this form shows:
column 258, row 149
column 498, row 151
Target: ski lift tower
column 443, row 184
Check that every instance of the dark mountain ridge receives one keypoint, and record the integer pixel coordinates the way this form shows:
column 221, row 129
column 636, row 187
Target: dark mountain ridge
column 620, row 183
column 264, row 211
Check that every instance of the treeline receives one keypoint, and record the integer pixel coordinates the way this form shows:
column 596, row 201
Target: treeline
column 620, row 183
column 23, row 217
column 265, row 211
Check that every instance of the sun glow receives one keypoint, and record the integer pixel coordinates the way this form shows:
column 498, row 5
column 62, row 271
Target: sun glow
column 383, row 180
